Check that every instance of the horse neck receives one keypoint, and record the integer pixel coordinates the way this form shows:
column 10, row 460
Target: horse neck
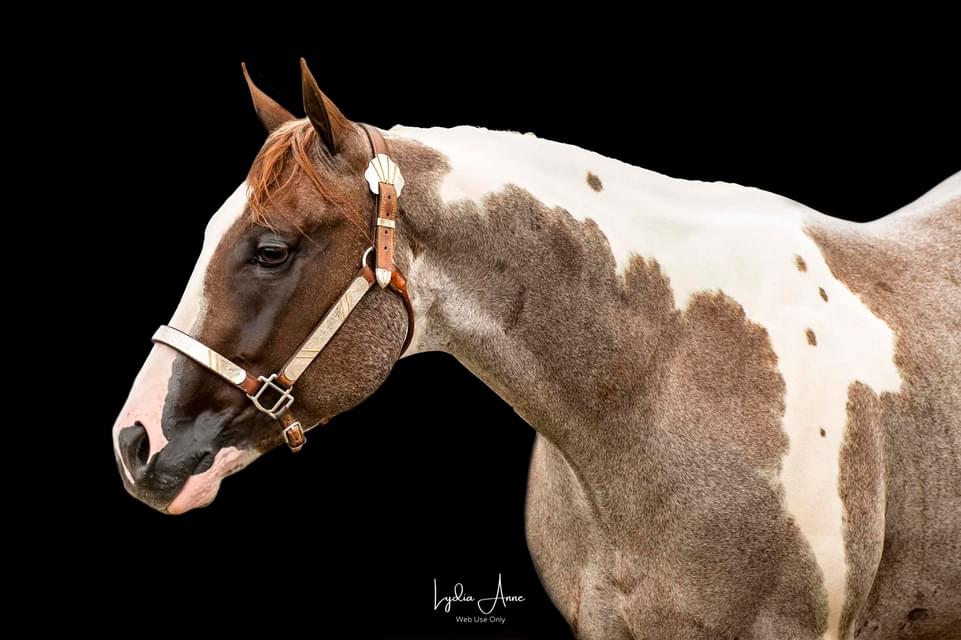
column 522, row 257
column 511, row 287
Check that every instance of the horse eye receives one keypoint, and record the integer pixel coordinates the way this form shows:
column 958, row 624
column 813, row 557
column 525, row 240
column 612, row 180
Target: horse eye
column 272, row 254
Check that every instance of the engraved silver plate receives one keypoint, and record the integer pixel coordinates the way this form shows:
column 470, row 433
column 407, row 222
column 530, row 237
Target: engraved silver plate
column 200, row 353
column 328, row 326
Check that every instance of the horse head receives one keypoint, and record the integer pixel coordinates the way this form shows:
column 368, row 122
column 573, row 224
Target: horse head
column 278, row 255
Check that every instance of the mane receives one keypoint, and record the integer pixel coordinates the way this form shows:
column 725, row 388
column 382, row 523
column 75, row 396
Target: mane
column 288, row 153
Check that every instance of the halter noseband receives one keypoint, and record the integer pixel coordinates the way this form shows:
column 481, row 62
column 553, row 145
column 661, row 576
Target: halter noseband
column 386, row 183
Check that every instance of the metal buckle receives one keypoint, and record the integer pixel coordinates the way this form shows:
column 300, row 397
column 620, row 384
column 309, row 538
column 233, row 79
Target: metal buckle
column 295, row 437
column 283, row 402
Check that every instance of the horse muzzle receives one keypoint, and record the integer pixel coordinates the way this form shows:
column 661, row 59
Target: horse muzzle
column 170, row 463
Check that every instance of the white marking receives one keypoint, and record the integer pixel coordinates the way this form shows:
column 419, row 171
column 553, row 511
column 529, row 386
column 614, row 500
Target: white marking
column 193, row 304
column 201, row 489
column 145, row 403
column 459, row 310
column 716, row 236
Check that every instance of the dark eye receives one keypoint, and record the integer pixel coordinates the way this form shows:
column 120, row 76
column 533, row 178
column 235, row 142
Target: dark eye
column 272, row 254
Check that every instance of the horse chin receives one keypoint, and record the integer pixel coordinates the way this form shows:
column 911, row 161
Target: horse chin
column 201, row 489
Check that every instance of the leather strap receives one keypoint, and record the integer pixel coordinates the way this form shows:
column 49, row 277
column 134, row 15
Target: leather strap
column 387, row 193
column 378, row 146
column 399, row 284
column 384, row 227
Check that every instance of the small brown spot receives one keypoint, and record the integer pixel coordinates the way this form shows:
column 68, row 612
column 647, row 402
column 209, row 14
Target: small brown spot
column 812, row 339
column 823, row 433
column 801, row 264
column 917, row 614
column 824, row 294
column 594, row 182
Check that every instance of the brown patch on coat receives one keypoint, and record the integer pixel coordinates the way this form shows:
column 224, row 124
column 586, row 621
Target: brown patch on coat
column 801, row 264
column 918, row 256
column 861, row 487
column 812, row 339
column 594, row 182
column 823, row 433
column 824, row 294
column 653, row 489
column 718, row 337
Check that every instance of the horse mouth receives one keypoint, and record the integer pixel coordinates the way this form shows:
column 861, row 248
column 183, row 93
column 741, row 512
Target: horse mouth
column 201, row 489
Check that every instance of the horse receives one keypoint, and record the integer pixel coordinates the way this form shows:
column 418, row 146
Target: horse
column 748, row 413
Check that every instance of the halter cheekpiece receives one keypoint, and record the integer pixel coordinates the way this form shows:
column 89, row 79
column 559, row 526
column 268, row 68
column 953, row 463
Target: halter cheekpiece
column 273, row 394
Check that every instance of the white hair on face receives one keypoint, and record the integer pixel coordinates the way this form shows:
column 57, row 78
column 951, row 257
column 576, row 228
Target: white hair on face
column 193, row 303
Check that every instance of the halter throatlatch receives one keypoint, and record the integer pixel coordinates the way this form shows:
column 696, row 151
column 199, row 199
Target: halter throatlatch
column 273, row 394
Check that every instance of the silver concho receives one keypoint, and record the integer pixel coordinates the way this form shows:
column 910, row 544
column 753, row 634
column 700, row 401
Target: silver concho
column 383, row 169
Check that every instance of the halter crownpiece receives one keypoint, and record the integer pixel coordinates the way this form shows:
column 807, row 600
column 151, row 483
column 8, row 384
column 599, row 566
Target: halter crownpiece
column 273, row 394
column 385, row 182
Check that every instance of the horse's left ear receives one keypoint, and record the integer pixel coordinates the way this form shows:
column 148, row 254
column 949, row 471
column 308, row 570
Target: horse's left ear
column 329, row 123
column 271, row 114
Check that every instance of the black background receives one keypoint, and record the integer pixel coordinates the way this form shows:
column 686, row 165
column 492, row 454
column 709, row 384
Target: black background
column 426, row 479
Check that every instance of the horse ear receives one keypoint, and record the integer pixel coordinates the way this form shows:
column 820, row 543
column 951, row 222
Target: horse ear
column 271, row 114
column 329, row 123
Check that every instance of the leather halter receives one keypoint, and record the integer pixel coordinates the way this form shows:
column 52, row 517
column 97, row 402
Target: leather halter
column 386, row 183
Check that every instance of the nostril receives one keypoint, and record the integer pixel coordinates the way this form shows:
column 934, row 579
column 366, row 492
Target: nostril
column 143, row 449
column 134, row 448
